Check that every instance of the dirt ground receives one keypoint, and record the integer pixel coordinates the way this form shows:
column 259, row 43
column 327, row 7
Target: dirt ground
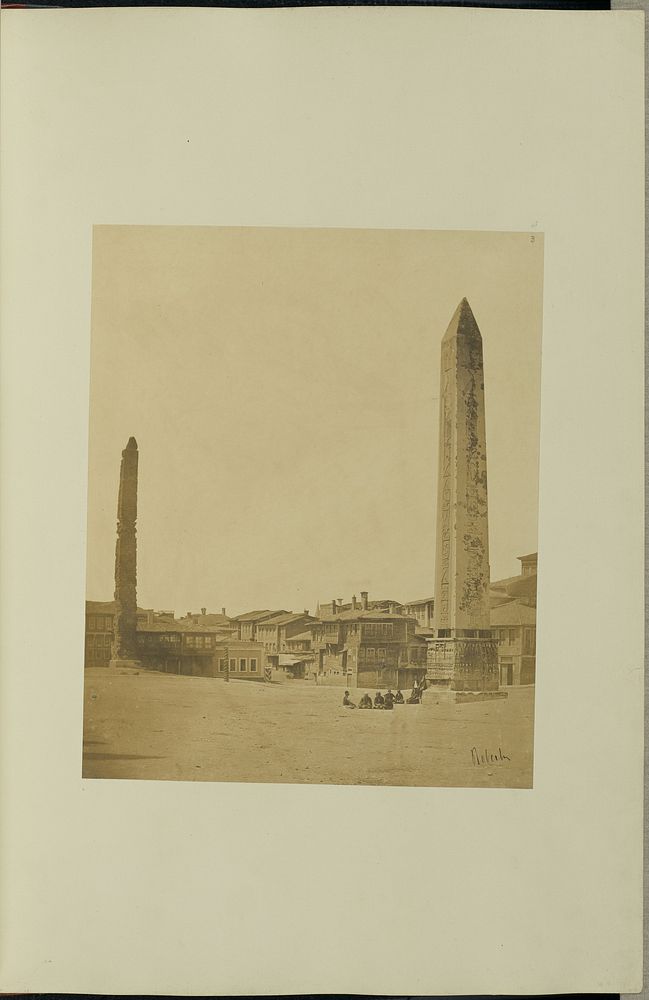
column 163, row 726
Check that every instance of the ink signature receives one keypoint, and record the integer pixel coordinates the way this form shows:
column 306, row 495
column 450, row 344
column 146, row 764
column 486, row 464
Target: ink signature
column 479, row 757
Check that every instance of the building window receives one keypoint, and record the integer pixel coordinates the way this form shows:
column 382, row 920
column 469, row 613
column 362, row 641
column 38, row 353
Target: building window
column 370, row 652
column 91, row 624
column 242, row 665
column 253, row 665
column 233, row 665
column 380, row 653
column 222, row 666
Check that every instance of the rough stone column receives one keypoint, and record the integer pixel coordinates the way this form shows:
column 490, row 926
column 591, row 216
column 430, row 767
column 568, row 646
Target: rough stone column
column 125, row 642
column 464, row 655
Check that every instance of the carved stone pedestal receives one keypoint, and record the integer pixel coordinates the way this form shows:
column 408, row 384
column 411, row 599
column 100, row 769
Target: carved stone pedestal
column 465, row 668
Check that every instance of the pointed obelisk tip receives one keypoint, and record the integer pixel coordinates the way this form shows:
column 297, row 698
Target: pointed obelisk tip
column 132, row 443
column 463, row 321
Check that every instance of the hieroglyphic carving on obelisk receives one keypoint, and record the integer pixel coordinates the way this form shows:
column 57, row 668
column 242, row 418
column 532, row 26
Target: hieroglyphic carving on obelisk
column 465, row 653
column 125, row 637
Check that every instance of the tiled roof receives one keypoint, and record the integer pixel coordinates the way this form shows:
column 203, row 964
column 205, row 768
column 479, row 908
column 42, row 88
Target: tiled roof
column 371, row 605
column 498, row 597
column 253, row 616
column 503, row 584
column 513, row 586
column 512, row 613
column 284, row 619
column 301, row 637
column 182, row 625
column 424, row 600
column 374, row 616
column 213, row 619
column 107, row 607
column 524, row 586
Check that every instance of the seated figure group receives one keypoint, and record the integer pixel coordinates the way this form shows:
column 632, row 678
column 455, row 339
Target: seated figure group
column 385, row 701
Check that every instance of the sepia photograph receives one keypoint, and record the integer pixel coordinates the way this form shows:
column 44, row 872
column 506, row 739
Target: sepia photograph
column 312, row 506
column 323, row 501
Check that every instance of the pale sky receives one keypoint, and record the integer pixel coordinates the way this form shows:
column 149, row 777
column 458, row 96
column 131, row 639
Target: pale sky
column 283, row 385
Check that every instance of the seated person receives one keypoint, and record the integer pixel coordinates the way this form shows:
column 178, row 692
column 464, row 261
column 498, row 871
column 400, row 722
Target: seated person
column 398, row 698
column 378, row 700
column 388, row 701
column 347, row 701
column 414, row 696
column 365, row 702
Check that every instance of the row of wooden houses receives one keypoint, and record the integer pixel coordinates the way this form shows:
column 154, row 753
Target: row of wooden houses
column 359, row 644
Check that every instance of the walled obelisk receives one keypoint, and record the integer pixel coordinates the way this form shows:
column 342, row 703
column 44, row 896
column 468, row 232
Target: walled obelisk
column 463, row 654
column 124, row 652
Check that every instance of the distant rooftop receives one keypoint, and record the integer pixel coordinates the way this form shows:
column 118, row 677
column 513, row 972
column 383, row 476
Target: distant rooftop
column 253, row 616
column 180, row 625
column 512, row 613
column 285, row 618
column 213, row 619
column 504, row 584
column 106, row 607
column 347, row 616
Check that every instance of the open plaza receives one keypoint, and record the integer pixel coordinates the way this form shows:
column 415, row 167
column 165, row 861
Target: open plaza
column 152, row 725
column 169, row 698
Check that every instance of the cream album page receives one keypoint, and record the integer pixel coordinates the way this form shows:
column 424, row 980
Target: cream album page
column 321, row 501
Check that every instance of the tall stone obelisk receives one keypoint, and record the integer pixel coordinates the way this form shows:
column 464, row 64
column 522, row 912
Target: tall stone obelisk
column 124, row 652
column 463, row 654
